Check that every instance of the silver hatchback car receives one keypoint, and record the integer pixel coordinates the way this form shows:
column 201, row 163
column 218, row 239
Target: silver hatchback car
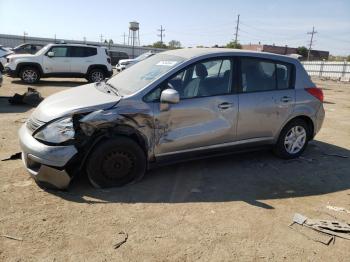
column 176, row 105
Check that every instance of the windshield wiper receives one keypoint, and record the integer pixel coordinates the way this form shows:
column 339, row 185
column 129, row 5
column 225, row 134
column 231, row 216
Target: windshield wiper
column 112, row 88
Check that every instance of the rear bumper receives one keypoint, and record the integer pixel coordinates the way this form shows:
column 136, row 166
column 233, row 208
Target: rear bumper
column 319, row 119
column 46, row 164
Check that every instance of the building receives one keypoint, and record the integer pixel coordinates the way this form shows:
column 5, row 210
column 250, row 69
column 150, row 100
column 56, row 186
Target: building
column 285, row 50
column 15, row 40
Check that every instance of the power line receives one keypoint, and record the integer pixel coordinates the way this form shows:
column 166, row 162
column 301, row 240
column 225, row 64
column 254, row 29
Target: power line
column 161, row 35
column 311, row 41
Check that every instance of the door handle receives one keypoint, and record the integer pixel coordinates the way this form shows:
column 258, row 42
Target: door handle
column 225, row 105
column 286, row 99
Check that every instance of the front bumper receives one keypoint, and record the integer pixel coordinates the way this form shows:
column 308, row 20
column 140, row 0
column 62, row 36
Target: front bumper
column 12, row 73
column 46, row 164
column 120, row 67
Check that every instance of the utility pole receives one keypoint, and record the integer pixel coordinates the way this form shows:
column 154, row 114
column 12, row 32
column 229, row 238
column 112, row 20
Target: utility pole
column 311, row 41
column 237, row 28
column 84, row 40
column 101, row 38
column 124, row 36
column 161, row 35
column 55, row 38
column 24, row 36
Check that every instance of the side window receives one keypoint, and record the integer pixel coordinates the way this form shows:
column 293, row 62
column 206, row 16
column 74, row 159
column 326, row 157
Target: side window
column 76, row 51
column 202, row 79
column 257, row 75
column 283, row 73
column 59, row 51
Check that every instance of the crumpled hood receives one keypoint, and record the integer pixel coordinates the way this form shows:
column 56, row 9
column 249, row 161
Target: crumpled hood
column 80, row 99
column 126, row 60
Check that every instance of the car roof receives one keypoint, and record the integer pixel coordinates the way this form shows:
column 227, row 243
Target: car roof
column 189, row 53
column 80, row 45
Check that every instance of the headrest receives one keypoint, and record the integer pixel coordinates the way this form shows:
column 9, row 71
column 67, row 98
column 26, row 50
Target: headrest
column 201, row 71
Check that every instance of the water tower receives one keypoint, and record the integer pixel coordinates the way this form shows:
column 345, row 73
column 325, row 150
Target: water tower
column 134, row 36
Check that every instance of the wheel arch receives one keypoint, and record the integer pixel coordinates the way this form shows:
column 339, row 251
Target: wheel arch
column 22, row 65
column 307, row 119
column 97, row 66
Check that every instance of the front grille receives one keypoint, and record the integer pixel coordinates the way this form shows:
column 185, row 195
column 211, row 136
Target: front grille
column 33, row 124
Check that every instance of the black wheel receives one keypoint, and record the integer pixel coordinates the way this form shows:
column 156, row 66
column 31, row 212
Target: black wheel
column 96, row 75
column 29, row 75
column 116, row 162
column 293, row 139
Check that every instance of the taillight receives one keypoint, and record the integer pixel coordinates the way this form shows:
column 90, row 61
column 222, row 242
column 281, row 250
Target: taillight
column 108, row 60
column 316, row 92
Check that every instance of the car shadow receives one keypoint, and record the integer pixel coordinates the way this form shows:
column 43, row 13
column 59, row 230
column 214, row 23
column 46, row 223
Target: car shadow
column 6, row 107
column 250, row 177
column 53, row 83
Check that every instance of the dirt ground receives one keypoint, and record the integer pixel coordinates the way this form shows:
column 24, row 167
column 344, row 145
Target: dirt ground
column 232, row 208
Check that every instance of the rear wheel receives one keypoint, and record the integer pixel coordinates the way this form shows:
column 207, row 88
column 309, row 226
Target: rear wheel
column 29, row 75
column 293, row 139
column 116, row 162
column 96, row 75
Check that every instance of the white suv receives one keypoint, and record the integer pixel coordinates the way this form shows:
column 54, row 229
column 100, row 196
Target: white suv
column 61, row 60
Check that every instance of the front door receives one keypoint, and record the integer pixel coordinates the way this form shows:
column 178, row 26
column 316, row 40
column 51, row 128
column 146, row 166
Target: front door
column 266, row 98
column 206, row 115
column 59, row 63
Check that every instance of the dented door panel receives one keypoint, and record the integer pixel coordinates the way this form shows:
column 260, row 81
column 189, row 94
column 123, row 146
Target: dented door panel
column 194, row 123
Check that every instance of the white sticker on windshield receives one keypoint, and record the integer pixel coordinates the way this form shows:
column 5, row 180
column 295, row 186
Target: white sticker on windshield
column 167, row 63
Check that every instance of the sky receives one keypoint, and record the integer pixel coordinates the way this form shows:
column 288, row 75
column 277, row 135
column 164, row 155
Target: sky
column 192, row 22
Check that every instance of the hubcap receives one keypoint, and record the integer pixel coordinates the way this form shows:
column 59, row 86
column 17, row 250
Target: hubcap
column 117, row 165
column 97, row 76
column 295, row 139
column 30, row 76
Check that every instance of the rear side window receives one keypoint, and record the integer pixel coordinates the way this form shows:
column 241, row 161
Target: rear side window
column 264, row 75
column 80, row 51
column 283, row 73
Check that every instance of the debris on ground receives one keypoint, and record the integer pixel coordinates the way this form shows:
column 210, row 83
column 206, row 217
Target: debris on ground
column 338, row 209
column 13, row 157
column 328, row 228
column 124, row 237
column 12, row 237
column 32, row 98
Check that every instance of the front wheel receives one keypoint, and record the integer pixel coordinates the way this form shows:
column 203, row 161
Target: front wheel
column 293, row 140
column 29, row 75
column 116, row 162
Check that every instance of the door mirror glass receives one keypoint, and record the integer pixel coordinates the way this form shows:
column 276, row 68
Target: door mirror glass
column 50, row 54
column 170, row 96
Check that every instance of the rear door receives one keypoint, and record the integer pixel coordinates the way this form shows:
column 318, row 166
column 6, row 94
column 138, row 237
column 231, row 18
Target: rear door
column 81, row 58
column 59, row 63
column 266, row 98
column 206, row 114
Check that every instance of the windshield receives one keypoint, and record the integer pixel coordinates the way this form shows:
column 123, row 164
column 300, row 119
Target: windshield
column 141, row 74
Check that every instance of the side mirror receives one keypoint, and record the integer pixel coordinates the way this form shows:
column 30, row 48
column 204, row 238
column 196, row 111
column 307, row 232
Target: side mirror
column 50, row 54
column 169, row 96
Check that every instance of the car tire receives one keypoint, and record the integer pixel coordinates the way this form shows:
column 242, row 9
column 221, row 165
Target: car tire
column 293, row 139
column 116, row 162
column 29, row 75
column 96, row 75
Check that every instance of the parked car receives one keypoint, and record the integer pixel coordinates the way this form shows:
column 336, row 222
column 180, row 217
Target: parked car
column 61, row 60
column 116, row 56
column 27, row 48
column 176, row 105
column 4, row 52
column 125, row 63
